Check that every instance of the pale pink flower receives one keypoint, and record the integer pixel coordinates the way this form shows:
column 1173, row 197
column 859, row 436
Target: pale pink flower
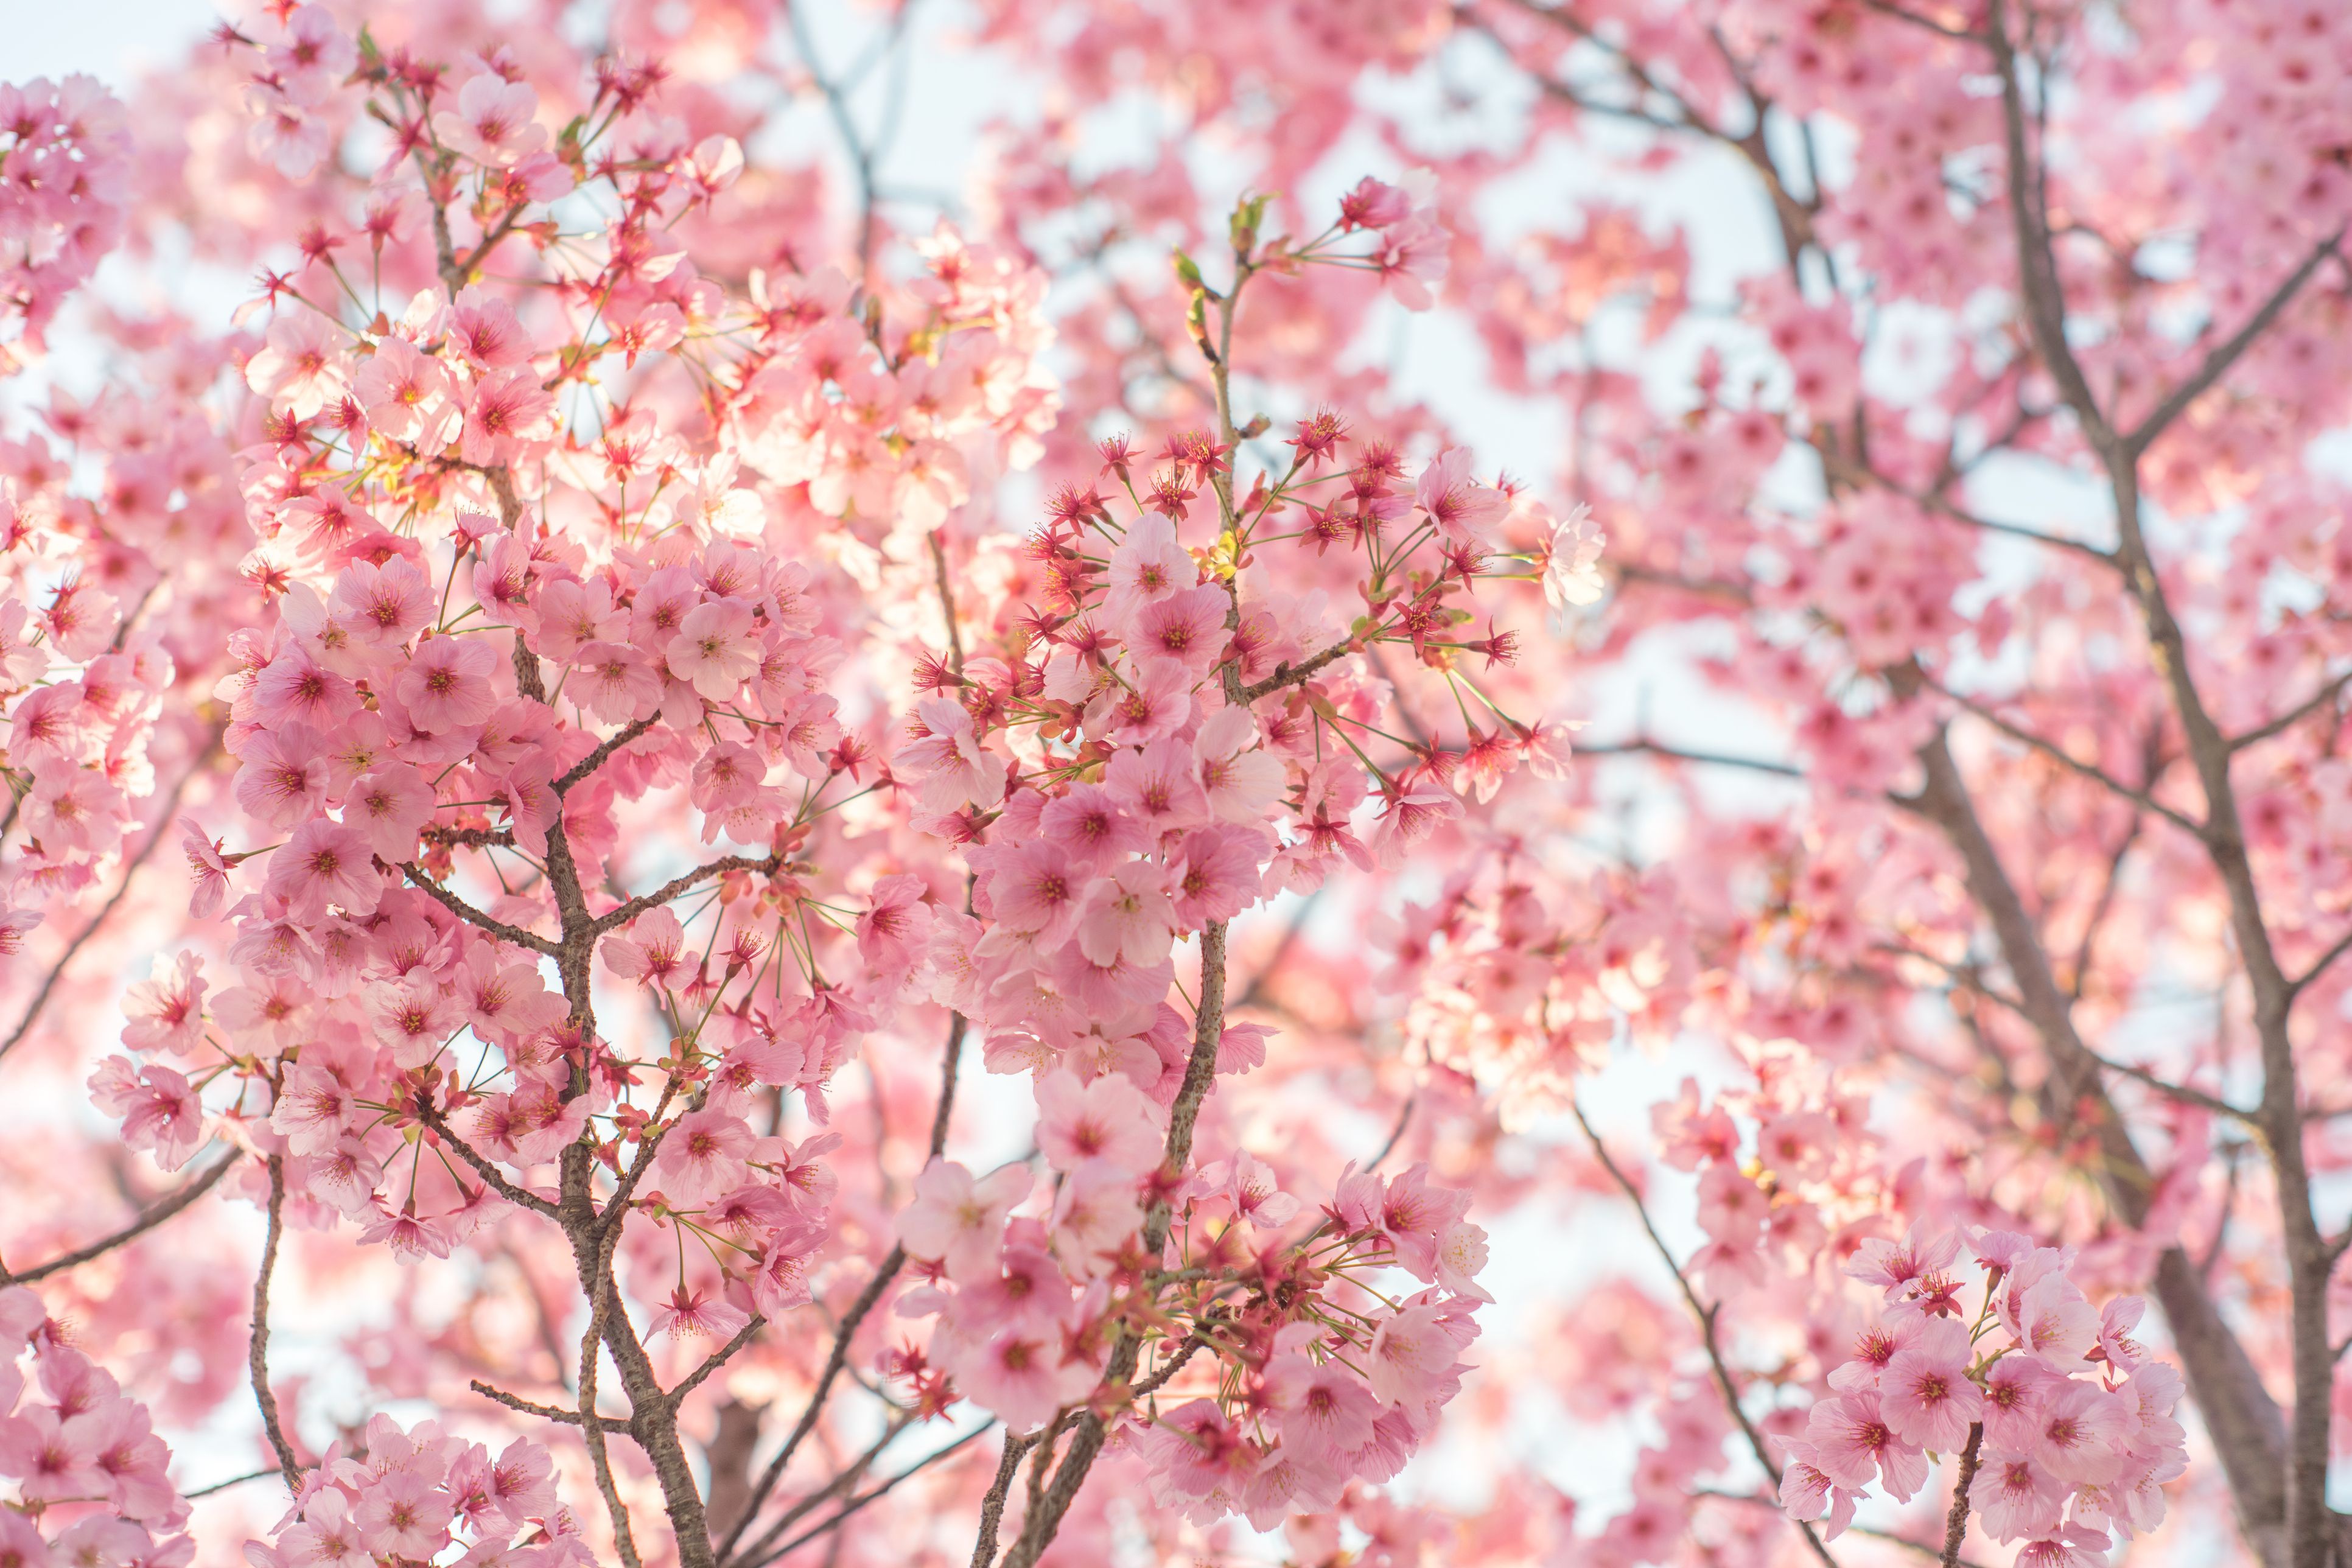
column 416, row 1018
column 1023, row 1377
column 408, row 395
column 1186, row 627
column 492, row 122
column 1218, row 875
column 1094, row 1214
column 207, row 865
column 1925, row 1393
column 703, row 1155
column 391, row 805
column 1147, row 566
column 485, row 327
column 404, row 1514
column 2080, row 1431
column 1128, row 917
column 1156, row 702
column 447, row 685
column 1323, row 1412
column 158, row 1108
column 383, row 605
column 325, row 863
column 504, row 411
column 1571, row 569
column 2014, row 1495
column 167, row 1012
column 1090, row 823
column 959, row 1220
column 1108, row 1119
column 301, row 368
column 956, row 770
column 1852, row 1443
column 1410, row 1357
column 1462, row 508
column 697, row 1312
column 1241, row 781
column 650, row 953
column 894, row 931
column 716, row 649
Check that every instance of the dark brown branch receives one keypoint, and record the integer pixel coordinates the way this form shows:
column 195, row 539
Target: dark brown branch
column 1956, row 1523
column 992, row 1506
column 2181, row 1093
column 604, row 751
column 621, row 916
column 232, row 1481
column 715, row 1360
column 1288, row 674
column 474, row 917
column 521, row 1197
column 1038, row 1526
column 2319, row 701
column 2059, row 755
column 838, row 1357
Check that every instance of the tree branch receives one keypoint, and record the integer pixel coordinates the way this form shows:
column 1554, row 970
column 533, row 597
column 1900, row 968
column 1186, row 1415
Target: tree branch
column 1705, row 1317
column 621, row 916
column 838, row 1357
column 474, row 917
column 162, row 1210
column 861, row 1498
column 2217, row 363
column 257, row 1354
column 2294, row 715
column 546, row 1412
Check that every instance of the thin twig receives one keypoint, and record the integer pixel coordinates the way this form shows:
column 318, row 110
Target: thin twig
column 1705, row 1316
column 835, row 1521
column 545, row 1412
column 257, row 1355
column 156, row 1215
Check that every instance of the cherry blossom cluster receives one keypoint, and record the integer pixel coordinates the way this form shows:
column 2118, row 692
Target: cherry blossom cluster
column 2064, row 1423
column 409, row 1496
column 84, row 690
column 1311, row 1375
column 65, row 172
column 81, row 1457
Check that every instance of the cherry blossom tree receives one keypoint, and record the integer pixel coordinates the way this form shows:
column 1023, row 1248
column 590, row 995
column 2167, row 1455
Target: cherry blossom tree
column 1293, row 975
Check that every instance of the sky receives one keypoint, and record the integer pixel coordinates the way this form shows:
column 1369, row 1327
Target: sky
column 112, row 40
